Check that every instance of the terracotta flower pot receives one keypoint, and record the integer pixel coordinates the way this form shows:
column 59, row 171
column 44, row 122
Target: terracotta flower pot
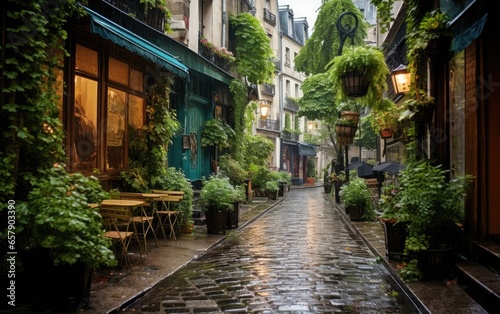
column 386, row 133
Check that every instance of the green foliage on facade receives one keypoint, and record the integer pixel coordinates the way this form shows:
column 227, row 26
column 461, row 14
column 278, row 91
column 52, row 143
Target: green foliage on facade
column 32, row 53
column 147, row 154
column 240, row 102
column 254, row 55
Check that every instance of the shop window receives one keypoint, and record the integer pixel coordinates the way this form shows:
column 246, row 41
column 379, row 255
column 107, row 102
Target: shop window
column 84, row 131
column 100, row 126
column 86, row 60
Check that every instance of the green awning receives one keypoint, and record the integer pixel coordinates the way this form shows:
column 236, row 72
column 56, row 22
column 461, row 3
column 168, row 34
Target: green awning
column 130, row 41
column 306, row 150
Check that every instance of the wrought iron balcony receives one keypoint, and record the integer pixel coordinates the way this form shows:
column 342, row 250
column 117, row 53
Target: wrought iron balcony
column 269, row 89
column 153, row 17
column 214, row 58
column 269, row 124
column 269, row 17
column 291, row 104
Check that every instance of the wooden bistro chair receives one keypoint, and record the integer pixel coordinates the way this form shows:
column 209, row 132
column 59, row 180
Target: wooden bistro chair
column 117, row 222
column 143, row 222
column 167, row 218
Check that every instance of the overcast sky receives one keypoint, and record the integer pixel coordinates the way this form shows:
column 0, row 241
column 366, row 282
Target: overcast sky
column 304, row 8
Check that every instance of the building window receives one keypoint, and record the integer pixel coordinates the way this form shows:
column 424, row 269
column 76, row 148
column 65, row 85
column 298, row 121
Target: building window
column 287, row 57
column 101, row 127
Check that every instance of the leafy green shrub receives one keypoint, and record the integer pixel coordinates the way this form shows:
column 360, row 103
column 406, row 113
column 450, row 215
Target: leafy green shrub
column 356, row 194
column 218, row 192
column 57, row 216
column 232, row 169
column 260, row 177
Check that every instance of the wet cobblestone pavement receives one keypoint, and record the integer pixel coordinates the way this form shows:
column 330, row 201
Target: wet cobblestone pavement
column 299, row 257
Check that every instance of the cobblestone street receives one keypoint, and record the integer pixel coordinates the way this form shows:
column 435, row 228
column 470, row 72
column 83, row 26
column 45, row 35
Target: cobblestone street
column 299, row 257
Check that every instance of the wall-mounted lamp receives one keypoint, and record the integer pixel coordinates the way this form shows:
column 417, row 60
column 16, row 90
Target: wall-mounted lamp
column 264, row 109
column 310, row 125
column 401, row 79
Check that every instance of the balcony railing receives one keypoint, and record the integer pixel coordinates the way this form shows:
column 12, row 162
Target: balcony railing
column 269, row 17
column 269, row 89
column 269, row 124
column 287, row 135
column 291, row 104
column 153, row 17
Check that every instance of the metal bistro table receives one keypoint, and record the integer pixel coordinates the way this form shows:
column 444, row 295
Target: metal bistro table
column 144, row 218
column 165, row 211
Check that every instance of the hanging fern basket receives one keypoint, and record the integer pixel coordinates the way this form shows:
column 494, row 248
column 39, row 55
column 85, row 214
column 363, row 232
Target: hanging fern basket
column 355, row 84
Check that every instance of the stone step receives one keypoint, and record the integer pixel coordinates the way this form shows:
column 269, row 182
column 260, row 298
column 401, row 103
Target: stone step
column 488, row 254
column 481, row 283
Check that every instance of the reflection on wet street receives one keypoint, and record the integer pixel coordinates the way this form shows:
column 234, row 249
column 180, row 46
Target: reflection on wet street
column 300, row 257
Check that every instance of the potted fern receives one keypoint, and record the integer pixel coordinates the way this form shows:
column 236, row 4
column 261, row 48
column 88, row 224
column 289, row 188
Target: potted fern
column 359, row 72
column 433, row 208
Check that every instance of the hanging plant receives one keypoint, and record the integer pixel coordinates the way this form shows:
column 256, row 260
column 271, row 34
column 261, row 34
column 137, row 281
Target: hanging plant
column 387, row 117
column 369, row 64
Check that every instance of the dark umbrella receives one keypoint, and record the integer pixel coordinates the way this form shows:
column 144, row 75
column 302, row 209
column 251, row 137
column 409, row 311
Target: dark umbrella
column 390, row 167
column 364, row 169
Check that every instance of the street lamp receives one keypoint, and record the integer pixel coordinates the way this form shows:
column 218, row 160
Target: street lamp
column 264, row 109
column 401, row 79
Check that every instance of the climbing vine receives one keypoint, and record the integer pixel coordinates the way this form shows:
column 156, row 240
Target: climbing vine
column 32, row 56
column 148, row 157
column 240, row 101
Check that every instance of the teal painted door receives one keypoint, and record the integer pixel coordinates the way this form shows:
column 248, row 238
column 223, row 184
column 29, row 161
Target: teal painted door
column 194, row 163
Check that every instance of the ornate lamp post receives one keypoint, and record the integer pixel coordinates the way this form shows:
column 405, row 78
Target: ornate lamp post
column 347, row 24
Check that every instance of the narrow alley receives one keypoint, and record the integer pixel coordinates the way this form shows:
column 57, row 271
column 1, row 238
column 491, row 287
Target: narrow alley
column 299, row 257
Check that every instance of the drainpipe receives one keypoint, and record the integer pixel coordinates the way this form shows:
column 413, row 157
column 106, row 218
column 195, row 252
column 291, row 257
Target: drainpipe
column 224, row 22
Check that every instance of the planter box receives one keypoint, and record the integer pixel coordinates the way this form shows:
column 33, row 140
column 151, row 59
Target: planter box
column 216, row 220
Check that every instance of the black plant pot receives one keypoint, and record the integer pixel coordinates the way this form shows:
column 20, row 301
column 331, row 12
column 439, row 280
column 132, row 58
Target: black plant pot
column 216, row 220
column 272, row 195
column 355, row 212
column 337, row 186
column 328, row 188
column 355, row 84
column 395, row 238
column 437, row 264
column 233, row 216
column 45, row 287
column 283, row 189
